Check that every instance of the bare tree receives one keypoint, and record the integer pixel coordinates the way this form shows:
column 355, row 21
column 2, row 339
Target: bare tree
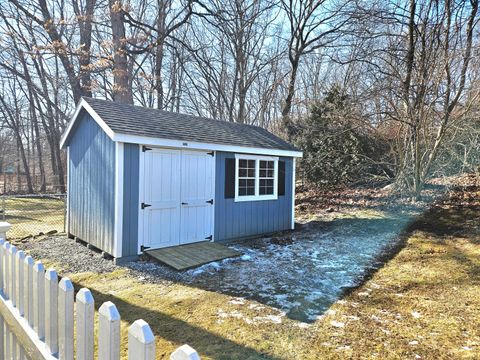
column 313, row 25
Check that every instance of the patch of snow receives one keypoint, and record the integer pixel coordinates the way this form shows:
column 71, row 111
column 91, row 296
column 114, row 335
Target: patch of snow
column 413, row 342
column 237, row 301
column 256, row 307
column 337, row 324
column 245, row 257
column 344, row 347
column 302, row 325
column 416, row 314
column 467, row 348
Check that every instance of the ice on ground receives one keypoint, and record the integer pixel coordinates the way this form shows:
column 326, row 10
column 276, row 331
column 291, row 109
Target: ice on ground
column 303, row 276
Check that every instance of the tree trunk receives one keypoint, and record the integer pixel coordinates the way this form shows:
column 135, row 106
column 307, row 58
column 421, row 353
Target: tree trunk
column 85, row 25
column 287, row 106
column 122, row 91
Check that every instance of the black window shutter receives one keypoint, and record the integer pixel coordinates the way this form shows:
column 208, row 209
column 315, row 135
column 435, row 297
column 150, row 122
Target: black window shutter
column 229, row 178
column 281, row 178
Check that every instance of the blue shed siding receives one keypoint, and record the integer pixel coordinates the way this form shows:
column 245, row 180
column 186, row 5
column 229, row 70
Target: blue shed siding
column 235, row 220
column 130, row 199
column 91, row 184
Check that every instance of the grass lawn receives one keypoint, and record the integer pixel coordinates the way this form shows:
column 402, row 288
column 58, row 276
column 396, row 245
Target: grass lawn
column 424, row 303
column 30, row 216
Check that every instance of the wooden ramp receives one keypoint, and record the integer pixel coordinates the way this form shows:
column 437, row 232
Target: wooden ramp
column 188, row 256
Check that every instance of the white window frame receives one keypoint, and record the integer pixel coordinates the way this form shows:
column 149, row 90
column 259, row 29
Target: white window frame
column 257, row 196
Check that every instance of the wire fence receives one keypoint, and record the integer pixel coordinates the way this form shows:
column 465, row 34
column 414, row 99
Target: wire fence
column 33, row 215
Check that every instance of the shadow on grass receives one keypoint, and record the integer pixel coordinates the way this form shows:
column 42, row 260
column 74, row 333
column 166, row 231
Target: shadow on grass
column 179, row 332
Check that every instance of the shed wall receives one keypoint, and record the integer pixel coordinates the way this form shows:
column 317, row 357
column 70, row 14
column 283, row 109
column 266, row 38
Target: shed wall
column 235, row 220
column 91, row 184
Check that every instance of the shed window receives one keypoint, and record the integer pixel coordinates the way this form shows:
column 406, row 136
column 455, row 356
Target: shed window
column 255, row 178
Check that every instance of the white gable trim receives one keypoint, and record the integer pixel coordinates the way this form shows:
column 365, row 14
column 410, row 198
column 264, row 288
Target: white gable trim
column 84, row 105
column 153, row 141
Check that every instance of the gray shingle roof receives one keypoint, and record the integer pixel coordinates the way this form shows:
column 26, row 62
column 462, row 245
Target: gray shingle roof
column 137, row 120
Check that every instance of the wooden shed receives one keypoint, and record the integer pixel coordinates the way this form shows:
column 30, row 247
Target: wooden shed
column 144, row 178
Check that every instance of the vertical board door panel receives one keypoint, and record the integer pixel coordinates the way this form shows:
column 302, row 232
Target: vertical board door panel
column 198, row 171
column 162, row 193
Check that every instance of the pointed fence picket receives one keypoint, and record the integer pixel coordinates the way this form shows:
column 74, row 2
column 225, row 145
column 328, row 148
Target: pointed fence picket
column 38, row 315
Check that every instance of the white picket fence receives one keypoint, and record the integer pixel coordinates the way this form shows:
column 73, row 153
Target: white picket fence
column 39, row 318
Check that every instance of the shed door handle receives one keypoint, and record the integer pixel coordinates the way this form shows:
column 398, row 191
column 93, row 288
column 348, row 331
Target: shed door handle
column 184, row 203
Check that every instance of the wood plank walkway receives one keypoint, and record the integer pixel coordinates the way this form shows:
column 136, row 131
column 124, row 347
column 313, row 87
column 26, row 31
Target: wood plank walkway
column 188, row 256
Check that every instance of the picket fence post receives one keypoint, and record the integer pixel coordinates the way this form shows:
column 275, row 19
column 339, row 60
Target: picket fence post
column 2, row 243
column 19, row 259
column 85, row 306
column 185, row 352
column 28, row 290
column 51, row 315
column 65, row 319
column 39, row 299
column 108, row 332
column 11, row 272
column 6, row 289
column 141, row 342
column 2, row 331
column 6, row 276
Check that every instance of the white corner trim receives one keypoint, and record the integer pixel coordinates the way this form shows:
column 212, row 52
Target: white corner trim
column 67, row 215
column 84, row 105
column 118, row 225
column 214, row 193
column 257, row 196
column 292, row 226
column 141, row 198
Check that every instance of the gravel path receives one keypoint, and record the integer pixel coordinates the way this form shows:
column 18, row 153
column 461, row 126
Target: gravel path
column 74, row 257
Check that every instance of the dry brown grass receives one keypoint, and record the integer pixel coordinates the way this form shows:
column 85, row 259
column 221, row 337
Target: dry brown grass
column 424, row 303
column 30, row 216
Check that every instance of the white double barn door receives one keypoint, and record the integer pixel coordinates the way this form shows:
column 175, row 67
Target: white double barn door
column 178, row 192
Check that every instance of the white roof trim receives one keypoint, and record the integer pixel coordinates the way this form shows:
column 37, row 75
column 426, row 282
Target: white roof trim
column 171, row 143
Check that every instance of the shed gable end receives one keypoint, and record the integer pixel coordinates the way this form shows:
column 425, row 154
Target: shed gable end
column 91, row 184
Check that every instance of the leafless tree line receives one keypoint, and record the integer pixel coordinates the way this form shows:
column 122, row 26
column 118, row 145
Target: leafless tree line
column 411, row 66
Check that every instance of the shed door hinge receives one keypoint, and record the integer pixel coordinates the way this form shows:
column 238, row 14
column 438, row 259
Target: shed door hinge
column 143, row 206
column 210, row 201
column 144, row 148
column 211, row 153
column 143, row 248
column 209, row 238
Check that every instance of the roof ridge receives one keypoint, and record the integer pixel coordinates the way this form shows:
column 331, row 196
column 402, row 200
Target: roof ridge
column 175, row 113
